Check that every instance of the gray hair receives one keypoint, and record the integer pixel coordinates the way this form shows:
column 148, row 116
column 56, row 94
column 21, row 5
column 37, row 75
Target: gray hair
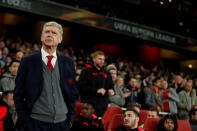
column 53, row 23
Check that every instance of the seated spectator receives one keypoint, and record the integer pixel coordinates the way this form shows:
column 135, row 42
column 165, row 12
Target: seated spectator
column 153, row 113
column 8, row 61
column 186, row 101
column 19, row 55
column 87, row 120
column 6, row 109
column 8, row 80
column 151, row 96
column 131, row 119
column 113, row 71
column 2, row 63
column 169, row 98
column 168, row 123
column 118, row 99
column 193, row 119
column 132, row 88
column 5, row 52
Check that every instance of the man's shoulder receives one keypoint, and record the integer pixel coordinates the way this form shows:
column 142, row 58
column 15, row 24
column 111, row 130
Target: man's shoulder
column 32, row 57
column 121, row 128
column 65, row 58
column 183, row 92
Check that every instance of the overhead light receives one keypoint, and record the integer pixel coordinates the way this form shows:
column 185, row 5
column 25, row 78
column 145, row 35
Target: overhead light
column 190, row 66
column 161, row 2
column 181, row 23
column 170, row 1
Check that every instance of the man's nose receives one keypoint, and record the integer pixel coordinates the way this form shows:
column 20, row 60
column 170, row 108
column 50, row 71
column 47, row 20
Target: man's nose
column 49, row 34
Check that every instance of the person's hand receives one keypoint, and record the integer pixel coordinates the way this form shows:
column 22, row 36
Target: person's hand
column 158, row 108
column 111, row 92
column 127, row 94
column 168, row 94
column 101, row 91
column 188, row 109
column 194, row 91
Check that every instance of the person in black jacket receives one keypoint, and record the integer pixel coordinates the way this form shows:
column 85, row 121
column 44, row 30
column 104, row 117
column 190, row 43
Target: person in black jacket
column 95, row 83
column 87, row 120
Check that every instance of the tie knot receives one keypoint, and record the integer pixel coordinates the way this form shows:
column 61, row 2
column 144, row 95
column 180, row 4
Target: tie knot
column 50, row 57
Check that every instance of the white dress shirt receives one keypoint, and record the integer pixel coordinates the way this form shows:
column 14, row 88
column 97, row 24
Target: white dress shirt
column 45, row 59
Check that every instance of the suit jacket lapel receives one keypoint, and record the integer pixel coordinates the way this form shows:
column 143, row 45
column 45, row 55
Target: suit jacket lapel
column 61, row 66
column 38, row 65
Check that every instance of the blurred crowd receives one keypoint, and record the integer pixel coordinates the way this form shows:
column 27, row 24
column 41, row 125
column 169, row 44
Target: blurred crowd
column 151, row 87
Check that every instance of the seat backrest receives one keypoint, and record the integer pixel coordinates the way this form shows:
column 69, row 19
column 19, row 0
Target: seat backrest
column 107, row 116
column 1, row 125
column 184, row 125
column 78, row 108
column 116, row 120
column 143, row 116
column 151, row 124
column 3, row 112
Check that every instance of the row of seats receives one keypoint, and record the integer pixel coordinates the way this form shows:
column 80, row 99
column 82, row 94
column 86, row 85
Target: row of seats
column 150, row 124
column 113, row 117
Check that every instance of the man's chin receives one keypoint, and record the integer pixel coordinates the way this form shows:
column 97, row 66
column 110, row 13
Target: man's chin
column 126, row 124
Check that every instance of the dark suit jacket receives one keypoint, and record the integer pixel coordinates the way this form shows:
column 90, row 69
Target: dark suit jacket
column 29, row 83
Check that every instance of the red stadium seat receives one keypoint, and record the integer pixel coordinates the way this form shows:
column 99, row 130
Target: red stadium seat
column 107, row 116
column 151, row 124
column 1, row 125
column 184, row 125
column 143, row 116
column 116, row 120
column 78, row 108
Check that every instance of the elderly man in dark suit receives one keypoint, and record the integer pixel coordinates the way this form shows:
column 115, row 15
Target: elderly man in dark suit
column 45, row 92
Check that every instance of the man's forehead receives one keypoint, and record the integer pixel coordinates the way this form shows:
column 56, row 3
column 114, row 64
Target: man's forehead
column 100, row 56
column 54, row 28
column 129, row 112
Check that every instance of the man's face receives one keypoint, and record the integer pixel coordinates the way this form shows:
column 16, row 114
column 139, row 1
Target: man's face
column 178, row 79
column 130, row 119
column 158, row 84
column 14, row 68
column 133, row 82
column 51, row 37
column 5, row 51
column 113, row 74
column 188, row 87
column 9, row 100
column 87, row 110
column 99, row 61
column 164, row 84
column 19, row 55
column 120, row 82
column 152, row 114
column 169, row 125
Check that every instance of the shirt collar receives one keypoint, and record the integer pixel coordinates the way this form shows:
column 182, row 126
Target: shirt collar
column 45, row 54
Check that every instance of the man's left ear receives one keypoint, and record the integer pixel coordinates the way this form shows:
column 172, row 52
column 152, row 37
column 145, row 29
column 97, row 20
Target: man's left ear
column 93, row 110
column 138, row 119
column 60, row 40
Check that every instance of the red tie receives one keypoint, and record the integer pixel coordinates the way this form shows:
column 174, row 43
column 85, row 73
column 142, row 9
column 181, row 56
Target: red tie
column 49, row 65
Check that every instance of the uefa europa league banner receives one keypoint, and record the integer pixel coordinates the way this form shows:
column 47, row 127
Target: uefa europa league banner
column 79, row 16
